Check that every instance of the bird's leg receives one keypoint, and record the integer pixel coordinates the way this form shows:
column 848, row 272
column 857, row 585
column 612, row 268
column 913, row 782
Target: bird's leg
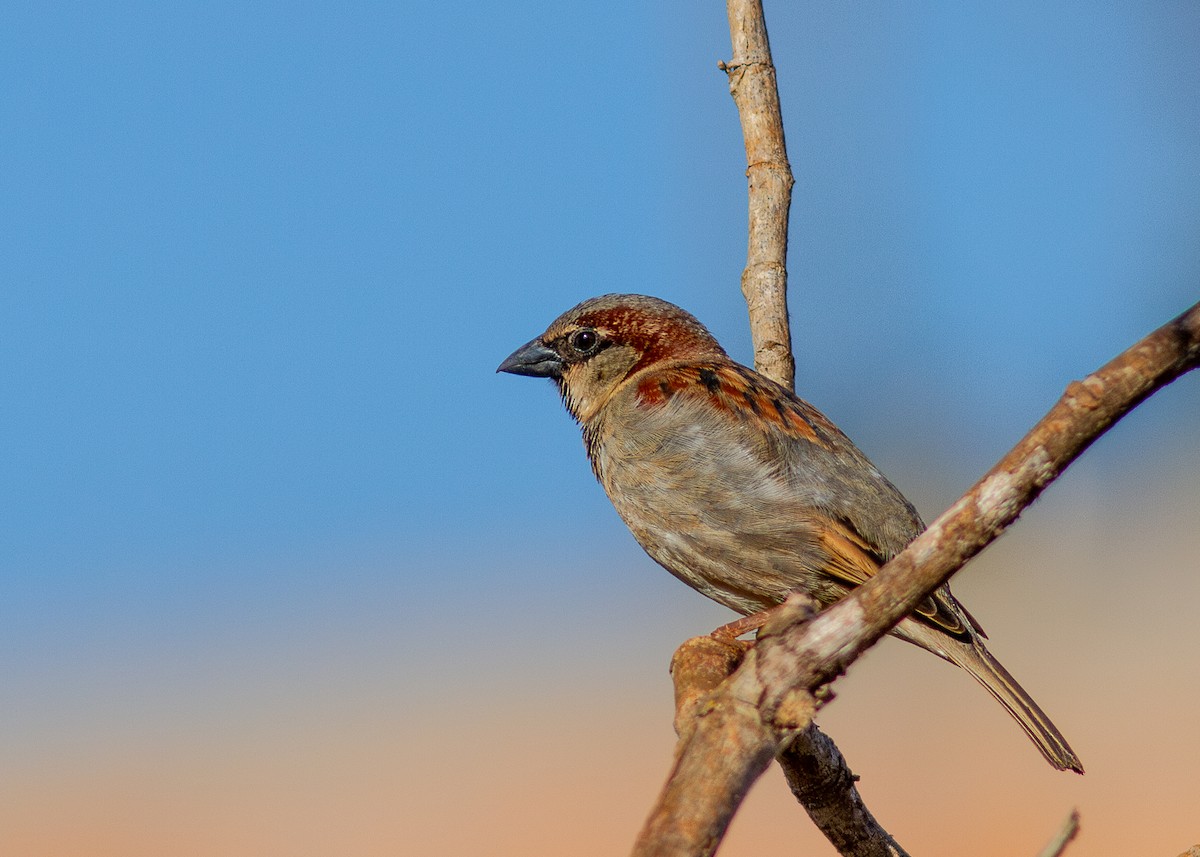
column 745, row 625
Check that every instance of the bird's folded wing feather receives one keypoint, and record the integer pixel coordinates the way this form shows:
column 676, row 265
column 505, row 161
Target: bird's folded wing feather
column 861, row 519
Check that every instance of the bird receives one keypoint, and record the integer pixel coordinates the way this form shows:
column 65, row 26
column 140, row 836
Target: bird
column 740, row 488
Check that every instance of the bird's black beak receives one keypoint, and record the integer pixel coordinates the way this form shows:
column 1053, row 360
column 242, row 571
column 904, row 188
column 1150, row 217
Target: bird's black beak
column 533, row 359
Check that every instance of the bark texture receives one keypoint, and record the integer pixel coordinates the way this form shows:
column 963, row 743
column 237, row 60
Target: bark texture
column 769, row 175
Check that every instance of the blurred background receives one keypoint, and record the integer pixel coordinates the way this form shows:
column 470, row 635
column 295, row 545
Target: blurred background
column 286, row 569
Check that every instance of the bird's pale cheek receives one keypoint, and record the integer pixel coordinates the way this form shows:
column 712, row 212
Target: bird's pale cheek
column 570, row 402
column 579, row 399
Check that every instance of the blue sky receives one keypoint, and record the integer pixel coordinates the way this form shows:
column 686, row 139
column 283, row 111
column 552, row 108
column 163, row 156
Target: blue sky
column 259, row 263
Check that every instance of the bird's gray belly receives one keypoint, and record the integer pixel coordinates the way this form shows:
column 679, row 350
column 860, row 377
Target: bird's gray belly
column 743, row 543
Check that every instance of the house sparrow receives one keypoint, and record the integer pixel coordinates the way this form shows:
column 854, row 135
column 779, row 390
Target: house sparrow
column 739, row 488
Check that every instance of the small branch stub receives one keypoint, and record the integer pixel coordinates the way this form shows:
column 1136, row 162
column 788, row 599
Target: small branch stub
column 1069, row 830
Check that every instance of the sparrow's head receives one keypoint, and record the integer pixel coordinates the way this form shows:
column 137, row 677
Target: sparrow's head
column 593, row 348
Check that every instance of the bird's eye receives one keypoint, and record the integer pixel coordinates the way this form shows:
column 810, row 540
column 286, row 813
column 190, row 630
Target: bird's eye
column 585, row 340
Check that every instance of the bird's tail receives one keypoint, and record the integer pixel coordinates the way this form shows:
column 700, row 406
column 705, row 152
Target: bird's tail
column 990, row 673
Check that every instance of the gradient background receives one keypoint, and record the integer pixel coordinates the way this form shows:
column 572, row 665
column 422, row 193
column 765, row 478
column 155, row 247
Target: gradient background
column 287, row 570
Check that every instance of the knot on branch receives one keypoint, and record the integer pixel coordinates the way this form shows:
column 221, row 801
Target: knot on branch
column 793, row 712
column 790, row 706
column 698, row 667
column 811, row 777
column 780, row 165
column 740, row 65
column 1087, row 394
column 756, row 272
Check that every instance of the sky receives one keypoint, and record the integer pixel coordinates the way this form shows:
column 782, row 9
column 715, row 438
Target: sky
column 261, row 488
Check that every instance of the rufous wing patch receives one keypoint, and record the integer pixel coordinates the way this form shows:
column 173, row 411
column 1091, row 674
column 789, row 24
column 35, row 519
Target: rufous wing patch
column 736, row 390
column 853, row 562
column 658, row 387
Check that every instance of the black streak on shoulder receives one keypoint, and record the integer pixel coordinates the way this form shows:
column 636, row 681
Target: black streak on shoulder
column 710, row 380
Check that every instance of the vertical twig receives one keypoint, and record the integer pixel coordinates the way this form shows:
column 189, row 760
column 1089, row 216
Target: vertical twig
column 764, row 280
column 815, row 769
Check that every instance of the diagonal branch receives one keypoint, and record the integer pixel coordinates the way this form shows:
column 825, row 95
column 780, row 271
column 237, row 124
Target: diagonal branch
column 1085, row 411
column 817, row 773
column 751, row 717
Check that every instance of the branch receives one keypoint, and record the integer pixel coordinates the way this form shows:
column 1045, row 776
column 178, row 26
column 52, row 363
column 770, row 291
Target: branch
column 1070, row 829
column 764, row 280
column 770, row 699
column 815, row 770
column 1085, row 411
column 821, row 780
column 725, row 743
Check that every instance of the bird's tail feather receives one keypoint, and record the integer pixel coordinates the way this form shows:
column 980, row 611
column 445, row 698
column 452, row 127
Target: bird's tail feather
column 990, row 673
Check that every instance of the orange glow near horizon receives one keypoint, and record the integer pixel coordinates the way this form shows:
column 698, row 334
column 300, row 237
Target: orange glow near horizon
column 549, row 765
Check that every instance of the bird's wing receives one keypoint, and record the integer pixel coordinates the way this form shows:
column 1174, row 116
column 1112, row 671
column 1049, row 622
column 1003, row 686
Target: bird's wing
column 852, row 561
column 859, row 518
